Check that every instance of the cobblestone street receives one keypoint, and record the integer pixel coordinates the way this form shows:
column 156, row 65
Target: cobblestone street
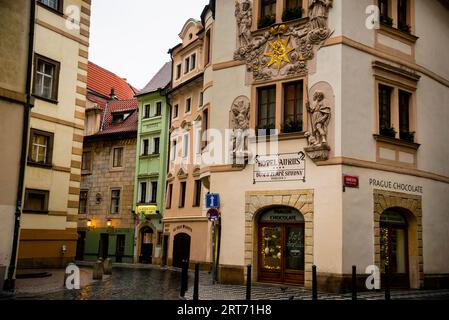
column 154, row 283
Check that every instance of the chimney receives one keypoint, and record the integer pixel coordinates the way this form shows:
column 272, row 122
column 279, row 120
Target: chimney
column 112, row 94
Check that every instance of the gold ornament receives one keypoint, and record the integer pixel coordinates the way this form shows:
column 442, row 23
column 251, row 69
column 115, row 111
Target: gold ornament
column 279, row 53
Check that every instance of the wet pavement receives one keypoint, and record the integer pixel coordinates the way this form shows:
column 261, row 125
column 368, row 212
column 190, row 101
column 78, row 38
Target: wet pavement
column 124, row 284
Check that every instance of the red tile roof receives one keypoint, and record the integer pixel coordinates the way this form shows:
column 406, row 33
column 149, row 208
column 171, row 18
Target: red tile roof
column 101, row 81
column 129, row 125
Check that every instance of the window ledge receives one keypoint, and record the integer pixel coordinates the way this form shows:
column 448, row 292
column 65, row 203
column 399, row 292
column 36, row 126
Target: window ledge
column 53, row 101
column 40, row 165
column 35, row 212
column 150, row 156
column 408, row 37
column 397, row 142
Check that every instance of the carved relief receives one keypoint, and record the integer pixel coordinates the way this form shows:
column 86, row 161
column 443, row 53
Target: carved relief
column 283, row 50
column 239, row 123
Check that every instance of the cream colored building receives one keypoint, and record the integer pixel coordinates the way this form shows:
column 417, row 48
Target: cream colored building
column 15, row 22
column 53, row 173
column 373, row 80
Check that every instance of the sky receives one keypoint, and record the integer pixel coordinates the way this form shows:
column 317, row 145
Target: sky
column 131, row 38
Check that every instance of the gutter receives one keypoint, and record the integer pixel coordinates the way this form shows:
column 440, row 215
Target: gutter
column 10, row 281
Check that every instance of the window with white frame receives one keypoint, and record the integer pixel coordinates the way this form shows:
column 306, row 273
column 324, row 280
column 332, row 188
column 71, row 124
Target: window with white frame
column 46, row 75
column 173, row 150
column 54, row 4
column 115, row 201
column 185, row 146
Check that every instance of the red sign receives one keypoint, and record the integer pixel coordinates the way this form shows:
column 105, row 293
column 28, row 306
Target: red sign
column 213, row 214
column 351, row 181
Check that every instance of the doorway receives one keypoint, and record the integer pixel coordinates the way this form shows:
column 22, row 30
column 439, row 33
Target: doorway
column 281, row 246
column 103, row 248
column 181, row 249
column 394, row 248
column 120, row 248
column 146, row 245
column 80, row 245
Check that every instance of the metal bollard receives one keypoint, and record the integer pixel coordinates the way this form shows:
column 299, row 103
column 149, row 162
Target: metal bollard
column 107, row 266
column 196, row 283
column 354, row 283
column 248, row 282
column 184, row 275
column 314, row 284
column 98, row 270
column 387, row 284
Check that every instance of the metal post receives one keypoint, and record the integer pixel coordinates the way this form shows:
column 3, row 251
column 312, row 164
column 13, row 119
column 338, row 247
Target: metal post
column 184, row 275
column 248, row 282
column 387, row 284
column 314, row 284
column 354, row 283
column 196, row 283
column 213, row 252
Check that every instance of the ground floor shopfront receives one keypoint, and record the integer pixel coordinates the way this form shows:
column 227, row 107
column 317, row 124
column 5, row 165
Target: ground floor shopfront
column 148, row 241
column 115, row 244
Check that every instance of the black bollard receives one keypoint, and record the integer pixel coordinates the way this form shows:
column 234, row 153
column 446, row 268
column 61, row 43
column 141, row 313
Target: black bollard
column 354, row 283
column 387, row 284
column 184, row 275
column 248, row 283
column 196, row 283
column 314, row 284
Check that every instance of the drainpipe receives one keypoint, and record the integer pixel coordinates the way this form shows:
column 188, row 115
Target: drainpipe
column 10, row 282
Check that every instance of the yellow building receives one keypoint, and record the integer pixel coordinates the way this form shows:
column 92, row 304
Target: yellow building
column 15, row 17
column 53, row 173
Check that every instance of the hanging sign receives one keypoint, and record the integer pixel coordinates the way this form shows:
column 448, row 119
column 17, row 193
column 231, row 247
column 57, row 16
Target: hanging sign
column 281, row 167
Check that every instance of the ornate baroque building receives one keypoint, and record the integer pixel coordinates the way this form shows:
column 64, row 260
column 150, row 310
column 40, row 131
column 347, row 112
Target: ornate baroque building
column 347, row 166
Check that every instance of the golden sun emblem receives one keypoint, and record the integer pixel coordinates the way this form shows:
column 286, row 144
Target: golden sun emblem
column 279, row 53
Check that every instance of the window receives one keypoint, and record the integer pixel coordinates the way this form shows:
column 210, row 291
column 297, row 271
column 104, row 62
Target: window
column 178, row 71
column 83, row 202
column 46, row 78
column 403, row 23
column 145, row 147
column 384, row 7
column 192, row 61
column 201, row 99
column 187, row 65
column 41, row 147
column 268, row 8
column 117, row 157
column 143, row 192
column 385, row 110
column 158, row 109
column 118, row 118
column 188, row 105
column 198, row 139
column 197, row 198
column 266, row 114
column 395, row 12
column 169, row 196
column 185, row 146
column 293, row 4
column 156, row 145
column 53, row 4
column 205, row 127
column 293, row 107
column 154, row 192
column 36, row 201
column 208, row 47
column 146, row 114
column 175, row 111
column 86, row 161
column 174, row 151
column 182, row 194
column 115, row 201
column 404, row 116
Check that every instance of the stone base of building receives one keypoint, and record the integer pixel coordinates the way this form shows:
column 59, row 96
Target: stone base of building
column 232, row 275
column 204, row 266
column 436, row 281
column 44, row 263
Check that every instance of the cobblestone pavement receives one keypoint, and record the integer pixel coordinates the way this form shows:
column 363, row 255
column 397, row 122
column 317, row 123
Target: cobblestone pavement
column 209, row 291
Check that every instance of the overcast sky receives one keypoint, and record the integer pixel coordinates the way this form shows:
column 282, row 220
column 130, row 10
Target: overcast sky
column 131, row 38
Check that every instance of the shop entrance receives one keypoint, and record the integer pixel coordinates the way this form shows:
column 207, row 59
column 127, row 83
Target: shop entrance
column 281, row 246
column 181, row 249
column 146, row 245
column 394, row 248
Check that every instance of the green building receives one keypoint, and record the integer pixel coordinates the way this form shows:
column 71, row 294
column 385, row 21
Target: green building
column 151, row 167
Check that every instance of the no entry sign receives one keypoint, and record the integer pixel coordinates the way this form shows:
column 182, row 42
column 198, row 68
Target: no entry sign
column 213, row 214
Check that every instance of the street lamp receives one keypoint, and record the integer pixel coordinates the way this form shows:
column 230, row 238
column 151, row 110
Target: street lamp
column 109, row 223
column 89, row 224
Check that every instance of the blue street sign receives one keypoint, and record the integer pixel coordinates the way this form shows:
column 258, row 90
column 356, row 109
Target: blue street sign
column 212, row 200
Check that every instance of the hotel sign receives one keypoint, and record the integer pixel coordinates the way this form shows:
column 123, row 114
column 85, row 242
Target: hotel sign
column 282, row 167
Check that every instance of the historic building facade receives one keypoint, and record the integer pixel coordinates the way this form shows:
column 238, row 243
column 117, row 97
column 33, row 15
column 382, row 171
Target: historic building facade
column 185, row 223
column 105, row 219
column 53, row 173
column 151, row 167
column 16, row 21
column 347, row 166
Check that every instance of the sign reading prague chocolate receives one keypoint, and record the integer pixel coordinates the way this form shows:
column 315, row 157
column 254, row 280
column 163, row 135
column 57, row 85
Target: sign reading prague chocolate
column 393, row 185
column 282, row 167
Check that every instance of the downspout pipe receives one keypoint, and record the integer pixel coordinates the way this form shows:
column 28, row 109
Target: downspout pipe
column 10, row 281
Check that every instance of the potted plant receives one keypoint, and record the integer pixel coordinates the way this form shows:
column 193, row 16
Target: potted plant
column 292, row 126
column 387, row 131
column 387, row 21
column 292, row 14
column 265, row 130
column 405, row 28
column 407, row 136
column 266, row 21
